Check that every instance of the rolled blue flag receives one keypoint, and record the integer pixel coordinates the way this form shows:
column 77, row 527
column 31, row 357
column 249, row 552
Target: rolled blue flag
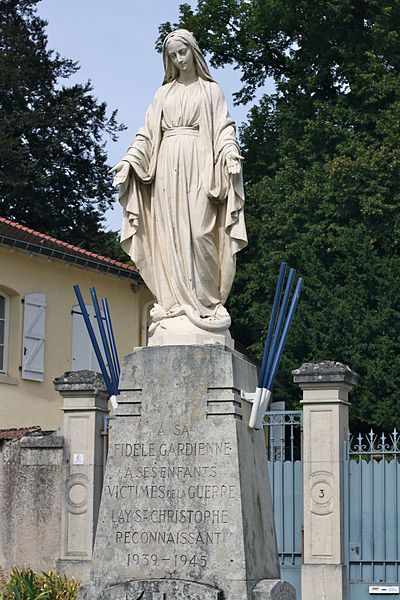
column 104, row 339
column 93, row 339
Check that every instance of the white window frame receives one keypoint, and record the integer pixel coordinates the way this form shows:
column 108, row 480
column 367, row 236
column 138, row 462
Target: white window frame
column 4, row 366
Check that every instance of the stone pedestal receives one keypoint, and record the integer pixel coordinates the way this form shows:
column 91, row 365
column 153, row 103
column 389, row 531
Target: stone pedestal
column 85, row 405
column 179, row 331
column 186, row 509
column 326, row 387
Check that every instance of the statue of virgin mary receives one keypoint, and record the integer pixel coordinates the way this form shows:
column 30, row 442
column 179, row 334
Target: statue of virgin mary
column 181, row 189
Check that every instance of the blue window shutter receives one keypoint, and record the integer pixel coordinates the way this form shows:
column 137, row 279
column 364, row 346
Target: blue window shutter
column 34, row 337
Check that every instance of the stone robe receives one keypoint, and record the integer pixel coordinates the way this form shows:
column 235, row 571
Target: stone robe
column 183, row 217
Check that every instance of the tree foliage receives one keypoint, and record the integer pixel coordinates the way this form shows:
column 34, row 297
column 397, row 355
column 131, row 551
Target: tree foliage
column 322, row 173
column 53, row 164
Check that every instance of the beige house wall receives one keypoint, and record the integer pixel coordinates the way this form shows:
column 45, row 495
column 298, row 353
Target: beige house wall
column 28, row 403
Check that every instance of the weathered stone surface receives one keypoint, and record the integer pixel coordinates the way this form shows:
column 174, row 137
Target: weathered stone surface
column 325, row 581
column 326, row 371
column 85, row 407
column 155, row 589
column 326, row 388
column 274, row 590
column 80, row 381
column 160, row 589
column 42, row 441
column 30, row 501
column 186, row 491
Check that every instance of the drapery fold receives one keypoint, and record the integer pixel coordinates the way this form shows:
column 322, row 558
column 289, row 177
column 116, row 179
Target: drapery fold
column 181, row 182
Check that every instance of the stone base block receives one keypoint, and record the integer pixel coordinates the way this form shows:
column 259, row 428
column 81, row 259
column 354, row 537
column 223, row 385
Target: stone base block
column 176, row 589
column 323, row 581
column 179, row 331
column 186, row 509
column 274, row 589
column 156, row 589
column 78, row 569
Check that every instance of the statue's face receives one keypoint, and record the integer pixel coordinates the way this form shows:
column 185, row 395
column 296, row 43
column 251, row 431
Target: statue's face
column 181, row 55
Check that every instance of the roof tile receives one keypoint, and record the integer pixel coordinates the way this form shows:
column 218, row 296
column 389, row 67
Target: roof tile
column 16, row 231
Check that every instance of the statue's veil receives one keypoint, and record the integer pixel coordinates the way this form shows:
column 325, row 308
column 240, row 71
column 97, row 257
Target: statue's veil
column 185, row 36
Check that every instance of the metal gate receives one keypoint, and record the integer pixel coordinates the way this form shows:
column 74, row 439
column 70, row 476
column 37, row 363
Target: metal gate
column 372, row 493
column 285, row 471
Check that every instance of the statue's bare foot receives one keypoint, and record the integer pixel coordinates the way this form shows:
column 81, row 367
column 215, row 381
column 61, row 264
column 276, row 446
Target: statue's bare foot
column 219, row 314
column 157, row 313
column 175, row 311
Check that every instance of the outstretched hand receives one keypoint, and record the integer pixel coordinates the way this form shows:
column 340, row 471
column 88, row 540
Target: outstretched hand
column 121, row 171
column 233, row 162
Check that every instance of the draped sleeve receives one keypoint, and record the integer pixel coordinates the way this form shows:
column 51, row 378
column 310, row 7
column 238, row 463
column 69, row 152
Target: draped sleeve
column 135, row 192
column 142, row 153
column 219, row 138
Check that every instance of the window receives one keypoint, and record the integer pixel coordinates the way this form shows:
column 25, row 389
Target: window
column 4, row 326
column 83, row 355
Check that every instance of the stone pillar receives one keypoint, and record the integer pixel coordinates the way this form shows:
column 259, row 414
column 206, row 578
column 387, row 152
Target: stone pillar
column 85, row 406
column 326, row 386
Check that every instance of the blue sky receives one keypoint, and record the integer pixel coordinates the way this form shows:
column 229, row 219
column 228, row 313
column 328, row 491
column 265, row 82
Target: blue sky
column 113, row 41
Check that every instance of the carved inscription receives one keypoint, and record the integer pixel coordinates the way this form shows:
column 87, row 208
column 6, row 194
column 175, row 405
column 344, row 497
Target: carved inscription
column 161, row 516
column 171, row 504
column 174, row 449
column 135, row 492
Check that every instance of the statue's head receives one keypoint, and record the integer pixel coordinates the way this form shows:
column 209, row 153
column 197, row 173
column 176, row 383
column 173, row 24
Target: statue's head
column 176, row 38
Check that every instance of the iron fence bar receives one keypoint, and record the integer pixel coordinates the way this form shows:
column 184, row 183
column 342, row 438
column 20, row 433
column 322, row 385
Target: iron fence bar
column 384, row 514
column 293, row 510
column 378, row 562
column 372, row 481
column 282, row 449
column 346, row 492
column 396, row 518
column 361, row 528
column 291, row 442
column 282, row 505
column 272, row 446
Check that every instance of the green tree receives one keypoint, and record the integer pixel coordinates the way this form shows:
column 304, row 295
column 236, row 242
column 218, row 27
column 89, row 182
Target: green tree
column 53, row 164
column 322, row 173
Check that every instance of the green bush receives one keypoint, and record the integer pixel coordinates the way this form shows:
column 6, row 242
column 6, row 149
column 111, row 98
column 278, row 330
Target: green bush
column 25, row 584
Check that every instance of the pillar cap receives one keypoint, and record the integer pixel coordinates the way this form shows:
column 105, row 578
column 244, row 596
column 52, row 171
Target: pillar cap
column 325, row 372
column 80, row 381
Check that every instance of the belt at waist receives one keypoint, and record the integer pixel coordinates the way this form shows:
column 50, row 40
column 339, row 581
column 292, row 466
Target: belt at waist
column 181, row 131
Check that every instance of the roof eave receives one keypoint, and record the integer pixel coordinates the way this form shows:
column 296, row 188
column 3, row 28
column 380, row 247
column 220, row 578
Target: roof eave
column 71, row 258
